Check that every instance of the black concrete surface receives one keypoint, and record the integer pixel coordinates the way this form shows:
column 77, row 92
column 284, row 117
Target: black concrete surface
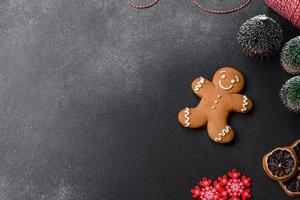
column 90, row 91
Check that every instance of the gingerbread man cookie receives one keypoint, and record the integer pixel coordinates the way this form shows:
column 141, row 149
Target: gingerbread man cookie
column 218, row 98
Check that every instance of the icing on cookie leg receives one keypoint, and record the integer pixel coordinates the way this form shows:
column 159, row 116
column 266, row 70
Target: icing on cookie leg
column 223, row 133
column 220, row 132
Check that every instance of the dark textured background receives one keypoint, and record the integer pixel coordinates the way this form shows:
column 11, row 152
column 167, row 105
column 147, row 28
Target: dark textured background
column 90, row 90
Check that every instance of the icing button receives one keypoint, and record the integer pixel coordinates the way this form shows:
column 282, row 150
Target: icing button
column 219, row 96
column 216, row 101
column 213, row 107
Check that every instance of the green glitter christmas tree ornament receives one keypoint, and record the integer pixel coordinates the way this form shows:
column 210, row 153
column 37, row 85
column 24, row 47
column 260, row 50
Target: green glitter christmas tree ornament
column 260, row 37
column 290, row 56
column 290, row 94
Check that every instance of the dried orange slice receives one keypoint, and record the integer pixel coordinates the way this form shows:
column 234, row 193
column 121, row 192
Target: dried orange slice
column 280, row 164
column 296, row 147
column 292, row 186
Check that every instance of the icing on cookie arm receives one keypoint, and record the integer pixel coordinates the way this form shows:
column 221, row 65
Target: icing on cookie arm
column 201, row 85
column 192, row 117
column 241, row 103
column 187, row 117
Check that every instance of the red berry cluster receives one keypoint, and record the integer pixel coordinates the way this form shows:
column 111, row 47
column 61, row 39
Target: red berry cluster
column 228, row 187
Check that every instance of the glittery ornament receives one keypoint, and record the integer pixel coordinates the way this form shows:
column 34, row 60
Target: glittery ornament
column 290, row 56
column 290, row 94
column 260, row 37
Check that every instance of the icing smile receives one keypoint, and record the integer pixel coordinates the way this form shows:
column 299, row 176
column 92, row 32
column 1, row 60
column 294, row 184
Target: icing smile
column 232, row 81
column 223, row 87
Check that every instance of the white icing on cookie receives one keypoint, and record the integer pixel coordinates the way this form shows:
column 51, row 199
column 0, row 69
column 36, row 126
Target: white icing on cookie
column 187, row 117
column 199, row 84
column 216, row 102
column 223, row 87
column 245, row 103
column 237, row 78
column 232, row 81
column 223, row 133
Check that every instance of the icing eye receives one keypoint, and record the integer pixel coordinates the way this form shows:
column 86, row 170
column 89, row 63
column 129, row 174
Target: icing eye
column 232, row 81
column 223, row 76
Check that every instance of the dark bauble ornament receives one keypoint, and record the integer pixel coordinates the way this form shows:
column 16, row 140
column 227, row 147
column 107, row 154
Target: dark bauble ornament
column 290, row 94
column 290, row 56
column 260, row 37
